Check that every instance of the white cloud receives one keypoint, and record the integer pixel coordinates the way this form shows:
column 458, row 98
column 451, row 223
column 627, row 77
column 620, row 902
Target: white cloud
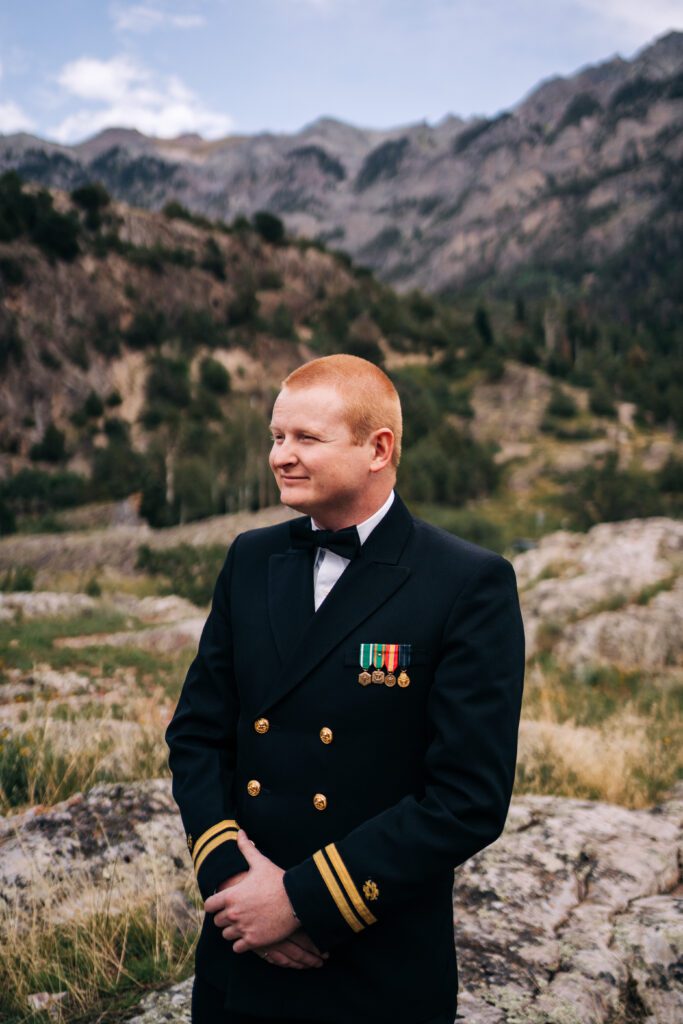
column 13, row 119
column 127, row 94
column 641, row 20
column 145, row 18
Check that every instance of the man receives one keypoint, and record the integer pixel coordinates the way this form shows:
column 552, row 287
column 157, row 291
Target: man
column 347, row 732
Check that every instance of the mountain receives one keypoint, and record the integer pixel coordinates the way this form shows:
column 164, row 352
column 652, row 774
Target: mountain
column 561, row 182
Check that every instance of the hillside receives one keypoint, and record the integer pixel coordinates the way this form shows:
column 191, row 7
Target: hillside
column 141, row 352
column 562, row 181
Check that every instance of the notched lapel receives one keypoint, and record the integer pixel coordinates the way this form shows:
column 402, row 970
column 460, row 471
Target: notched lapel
column 304, row 640
column 290, row 598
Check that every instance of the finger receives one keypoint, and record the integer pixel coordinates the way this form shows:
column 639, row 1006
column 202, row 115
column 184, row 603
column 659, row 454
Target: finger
column 306, row 942
column 223, row 919
column 248, row 849
column 280, row 959
column 231, row 932
column 295, row 953
column 215, row 902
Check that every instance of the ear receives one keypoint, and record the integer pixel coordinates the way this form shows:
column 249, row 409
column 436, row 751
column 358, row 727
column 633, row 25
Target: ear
column 382, row 441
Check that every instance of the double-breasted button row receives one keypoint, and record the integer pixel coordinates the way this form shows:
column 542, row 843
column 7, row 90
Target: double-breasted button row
column 262, row 725
column 319, row 799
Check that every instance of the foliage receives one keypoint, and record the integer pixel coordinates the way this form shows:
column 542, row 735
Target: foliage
column 604, row 493
column 185, row 569
column 447, row 467
column 19, row 578
column 32, row 214
column 148, row 329
column 52, row 447
column 92, row 198
column 11, row 271
column 561, row 404
column 33, row 491
column 213, row 259
column 214, row 377
column 282, row 324
column 269, row 227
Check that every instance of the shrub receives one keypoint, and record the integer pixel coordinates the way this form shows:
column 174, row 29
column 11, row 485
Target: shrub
column 600, row 400
column 148, row 329
column 93, row 407
column 282, row 324
column 11, row 270
column 168, row 382
column 561, row 404
column 19, row 578
column 604, row 493
column 11, row 344
column 243, row 310
column 269, row 227
column 187, row 570
column 92, row 198
column 51, row 448
column 214, row 376
column 213, row 259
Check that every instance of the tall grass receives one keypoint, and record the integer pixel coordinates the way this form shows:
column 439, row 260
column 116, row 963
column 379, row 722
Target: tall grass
column 103, row 962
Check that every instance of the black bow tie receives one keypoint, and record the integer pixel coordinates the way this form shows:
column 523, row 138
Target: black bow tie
column 344, row 542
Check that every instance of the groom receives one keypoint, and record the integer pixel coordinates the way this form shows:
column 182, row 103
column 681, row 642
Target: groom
column 347, row 733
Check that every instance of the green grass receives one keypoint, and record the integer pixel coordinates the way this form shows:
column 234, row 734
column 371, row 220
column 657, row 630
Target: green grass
column 104, row 964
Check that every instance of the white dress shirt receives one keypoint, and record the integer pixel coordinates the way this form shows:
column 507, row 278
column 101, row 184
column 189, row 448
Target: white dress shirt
column 328, row 565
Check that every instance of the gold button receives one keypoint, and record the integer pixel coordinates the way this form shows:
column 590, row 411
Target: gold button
column 253, row 787
column 262, row 725
column 320, row 801
column 326, row 734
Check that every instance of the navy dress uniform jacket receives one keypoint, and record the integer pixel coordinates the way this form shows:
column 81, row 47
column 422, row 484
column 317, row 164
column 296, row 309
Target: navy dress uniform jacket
column 368, row 796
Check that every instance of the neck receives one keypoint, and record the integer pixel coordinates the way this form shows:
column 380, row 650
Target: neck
column 338, row 518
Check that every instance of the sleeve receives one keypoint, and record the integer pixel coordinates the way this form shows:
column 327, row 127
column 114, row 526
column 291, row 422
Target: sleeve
column 474, row 709
column 201, row 740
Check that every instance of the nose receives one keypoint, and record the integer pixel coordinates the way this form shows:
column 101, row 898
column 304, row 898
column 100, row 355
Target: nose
column 282, row 454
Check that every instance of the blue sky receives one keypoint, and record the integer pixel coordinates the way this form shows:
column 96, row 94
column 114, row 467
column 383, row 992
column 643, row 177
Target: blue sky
column 69, row 68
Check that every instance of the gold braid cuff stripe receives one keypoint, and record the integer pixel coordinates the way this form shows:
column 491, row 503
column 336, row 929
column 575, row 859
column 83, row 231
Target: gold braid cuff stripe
column 223, row 830
column 345, row 878
column 336, row 893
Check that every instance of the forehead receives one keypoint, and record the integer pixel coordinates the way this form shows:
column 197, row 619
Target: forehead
column 320, row 406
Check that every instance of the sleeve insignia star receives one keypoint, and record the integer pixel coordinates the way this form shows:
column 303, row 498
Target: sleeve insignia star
column 370, row 889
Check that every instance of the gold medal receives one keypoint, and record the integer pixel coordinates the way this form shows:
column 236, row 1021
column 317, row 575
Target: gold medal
column 378, row 676
column 390, row 679
column 364, row 678
column 403, row 679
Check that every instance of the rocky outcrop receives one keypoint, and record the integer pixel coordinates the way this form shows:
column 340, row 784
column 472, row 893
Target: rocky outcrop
column 573, row 916
column 611, row 595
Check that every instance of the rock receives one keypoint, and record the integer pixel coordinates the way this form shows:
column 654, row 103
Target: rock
column 573, row 916
column 162, row 640
column 43, row 604
column 574, row 576
column 647, row 637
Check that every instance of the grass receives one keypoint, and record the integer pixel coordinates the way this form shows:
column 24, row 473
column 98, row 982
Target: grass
column 601, row 734
column 103, row 963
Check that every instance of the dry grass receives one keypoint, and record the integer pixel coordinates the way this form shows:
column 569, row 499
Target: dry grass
column 99, row 964
column 607, row 736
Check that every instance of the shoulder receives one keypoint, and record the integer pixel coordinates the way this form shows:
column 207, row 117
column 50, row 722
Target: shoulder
column 462, row 561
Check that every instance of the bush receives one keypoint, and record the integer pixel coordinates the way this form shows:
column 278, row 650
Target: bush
column 52, row 448
column 600, row 401
column 11, row 270
column 213, row 260
column 282, row 324
column 214, row 377
column 19, row 578
column 269, row 227
column 243, row 310
column 93, row 407
column 92, row 198
column 561, row 404
column 168, row 382
column 187, row 570
column 148, row 329
column 604, row 493
column 11, row 344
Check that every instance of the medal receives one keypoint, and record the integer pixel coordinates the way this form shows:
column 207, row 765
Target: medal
column 378, row 661
column 404, row 659
column 365, row 656
column 391, row 661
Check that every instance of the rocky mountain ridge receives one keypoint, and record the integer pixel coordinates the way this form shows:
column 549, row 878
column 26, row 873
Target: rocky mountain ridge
column 564, row 179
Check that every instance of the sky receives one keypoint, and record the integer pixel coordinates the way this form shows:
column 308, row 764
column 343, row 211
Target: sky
column 70, row 68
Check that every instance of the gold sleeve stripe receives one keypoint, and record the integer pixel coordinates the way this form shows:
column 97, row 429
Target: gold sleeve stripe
column 210, row 832
column 336, row 893
column 346, row 880
column 224, row 837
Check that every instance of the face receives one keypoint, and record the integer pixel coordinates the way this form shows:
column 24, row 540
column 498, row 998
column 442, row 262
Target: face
column 318, row 468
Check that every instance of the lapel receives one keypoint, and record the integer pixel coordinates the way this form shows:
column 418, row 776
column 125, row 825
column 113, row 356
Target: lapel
column 304, row 637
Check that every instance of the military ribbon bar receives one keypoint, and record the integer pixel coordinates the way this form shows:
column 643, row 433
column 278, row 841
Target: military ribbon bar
column 391, row 663
column 378, row 661
column 366, row 655
column 404, row 651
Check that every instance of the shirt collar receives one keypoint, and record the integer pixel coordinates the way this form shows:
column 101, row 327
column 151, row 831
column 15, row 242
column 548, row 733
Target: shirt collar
column 368, row 525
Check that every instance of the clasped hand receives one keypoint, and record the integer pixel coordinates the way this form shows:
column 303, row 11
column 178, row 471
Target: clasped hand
column 253, row 909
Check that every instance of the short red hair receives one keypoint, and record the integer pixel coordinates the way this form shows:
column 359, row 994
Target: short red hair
column 370, row 398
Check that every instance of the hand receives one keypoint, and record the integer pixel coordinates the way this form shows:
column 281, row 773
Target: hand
column 255, row 910
column 298, row 951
